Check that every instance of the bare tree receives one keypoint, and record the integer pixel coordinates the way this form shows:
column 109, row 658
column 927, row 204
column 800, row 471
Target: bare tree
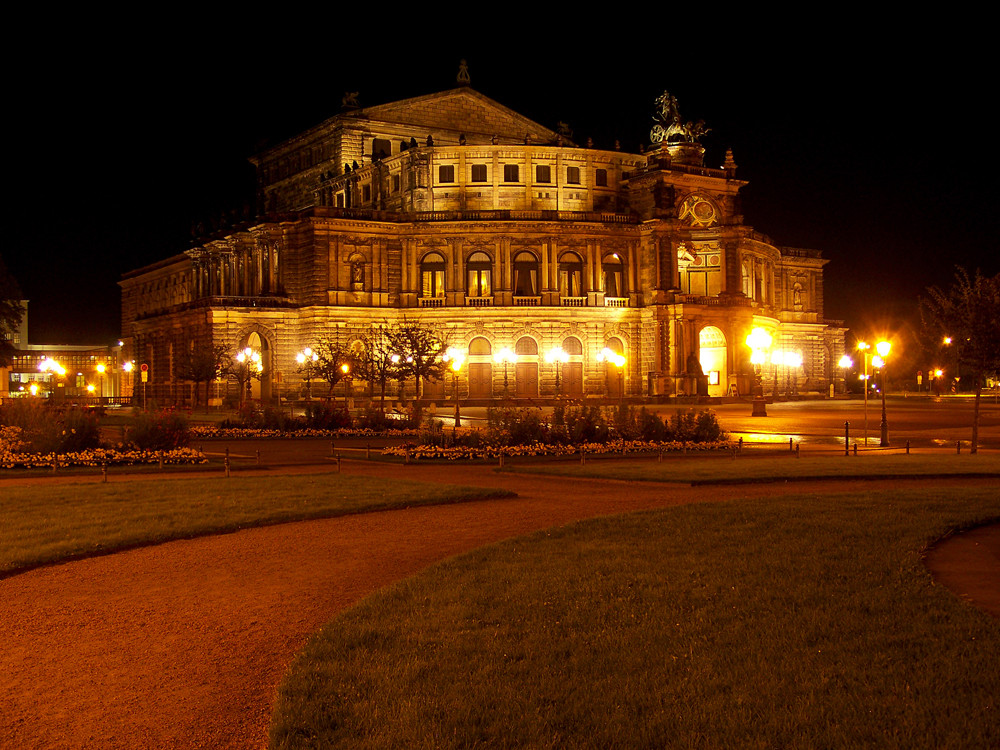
column 421, row 352
column 334, row 363
column 203, row 364
column 969, row 313
column 374, row 363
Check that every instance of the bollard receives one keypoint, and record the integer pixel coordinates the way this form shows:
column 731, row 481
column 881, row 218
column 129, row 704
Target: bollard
column 740, row 447
column 797, row 445
column 406, row 456
column 54, row 465
column 226, row 463
column 907, row 447
column 104, row 473
column 790, row 448
column 338, row 464
column 855, row 449
column 847, row 438
column 501, row 460
column 368, row 451
column 659, row 456
column 583, row 457
column 958, row 447
column 258, row 456
column 333, row 448
column 160, row 456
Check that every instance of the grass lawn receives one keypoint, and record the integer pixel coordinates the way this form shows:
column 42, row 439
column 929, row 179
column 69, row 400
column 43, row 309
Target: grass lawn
column 722, row 469
column 44, row 524
column 803, row 621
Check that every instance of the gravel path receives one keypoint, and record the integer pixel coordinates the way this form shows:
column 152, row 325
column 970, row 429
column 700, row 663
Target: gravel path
column 182, row 645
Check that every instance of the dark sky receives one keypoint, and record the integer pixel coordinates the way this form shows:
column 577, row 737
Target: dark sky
column 872, row 145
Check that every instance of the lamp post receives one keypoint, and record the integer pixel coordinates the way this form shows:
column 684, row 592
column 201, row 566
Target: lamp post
column 250, row 367
column 882, row 347
column 559, row 357
column 307, row 359
column 759, row 341
column 455, row 358
column 865, row 350
column 504, row 355
column 101, row 369
column 618, row 360
column 845, row 364
column 345, row 369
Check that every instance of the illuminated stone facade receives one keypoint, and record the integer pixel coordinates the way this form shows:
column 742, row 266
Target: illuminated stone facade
column 498, row 232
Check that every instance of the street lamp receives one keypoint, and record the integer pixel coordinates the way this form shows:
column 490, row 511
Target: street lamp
column 618, row 360
column 759, row 341
column 307, row 359
column 865, row 349
column 504, row 355
column 559, row 357
column 882, row 347
column 345, row 369
column 455, row 358
column 250, row 366
column 845, row 364
column 100, row 371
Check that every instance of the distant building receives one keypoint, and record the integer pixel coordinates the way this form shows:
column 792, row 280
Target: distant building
column 83, row 372
column 499, row 232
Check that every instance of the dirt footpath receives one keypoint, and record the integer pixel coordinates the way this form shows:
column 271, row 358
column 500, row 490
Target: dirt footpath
column 182, row 645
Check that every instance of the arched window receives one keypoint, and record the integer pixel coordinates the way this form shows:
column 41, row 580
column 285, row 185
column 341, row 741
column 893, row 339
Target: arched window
column 480, row 346
column 432, row 276
column 479, row 268
column 572, row 346
column 526, row 346
column 525, row 275
column 570, row 275
column 614, row 280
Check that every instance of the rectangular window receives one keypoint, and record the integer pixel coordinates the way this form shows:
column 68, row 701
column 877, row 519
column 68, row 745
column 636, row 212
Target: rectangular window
column 479, row 283
column 510, row 173
column 432, row 283
column 543, row 173
column 479, row 173
column 601, row 177
column 366, row 193
column 573, row 175
column 381, row 148
column 446, row 173
column 395, row 183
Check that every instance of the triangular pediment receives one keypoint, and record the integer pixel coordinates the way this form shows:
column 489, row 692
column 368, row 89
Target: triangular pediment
column 462, row 110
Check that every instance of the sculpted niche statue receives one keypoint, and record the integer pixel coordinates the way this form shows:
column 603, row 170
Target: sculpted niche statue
column 669, row 127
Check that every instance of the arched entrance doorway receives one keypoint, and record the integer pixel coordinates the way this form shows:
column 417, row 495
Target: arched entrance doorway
column 526, row 368
column 480, row 368
column 712, row 355
column 261, row 389
column 614, row 376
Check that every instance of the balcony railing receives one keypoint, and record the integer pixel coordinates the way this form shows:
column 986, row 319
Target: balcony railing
column 430, row 301
column 479, row 302
column 573, row 301
column 616, row 301
column 527, row 301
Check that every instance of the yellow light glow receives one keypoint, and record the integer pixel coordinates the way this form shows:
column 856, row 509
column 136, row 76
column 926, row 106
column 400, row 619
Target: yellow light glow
column 127, row 367
column 877, row 361
column 345, row 368
column 947, row 340
column 759, row 338
column 846, row 362
column 101, row 368
column 90, row 389
column 938, row 373
column 504, row 355
column 34, row 389
column 883, row 347
column 862, row 346
column 556, row 354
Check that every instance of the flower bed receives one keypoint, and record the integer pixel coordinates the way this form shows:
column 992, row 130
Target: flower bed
column 245, row 433
column 543, row 449
column 100, row 457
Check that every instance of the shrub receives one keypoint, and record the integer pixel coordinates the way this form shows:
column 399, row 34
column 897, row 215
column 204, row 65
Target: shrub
column 80, row 432
column 45, row 429
column 161, row 430
column 327, row 417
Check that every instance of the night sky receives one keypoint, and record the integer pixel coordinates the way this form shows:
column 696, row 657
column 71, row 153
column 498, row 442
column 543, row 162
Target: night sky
column 875, row 147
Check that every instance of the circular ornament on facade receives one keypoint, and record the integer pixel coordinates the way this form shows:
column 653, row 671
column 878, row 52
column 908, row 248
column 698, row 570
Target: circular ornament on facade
column 698, row 211
column 713, row 260
column 699, row 260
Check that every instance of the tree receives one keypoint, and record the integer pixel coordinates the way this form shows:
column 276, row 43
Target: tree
column 203, row 364
column 969, row 313
column 246, row 366
column 420, row 350
column 374, row 363
column 10, row 314
column 334, row 363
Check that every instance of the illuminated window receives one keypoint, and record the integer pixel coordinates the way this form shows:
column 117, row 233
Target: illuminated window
column 613, row 280
column 570, row 275
column 525, row 275
column 480, row 275
column 432, row 276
